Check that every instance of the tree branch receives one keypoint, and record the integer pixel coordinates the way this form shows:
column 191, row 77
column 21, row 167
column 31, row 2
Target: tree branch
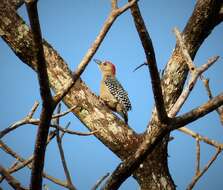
column 219, row 110
column 196, row 72
column 201, row 138
column 184, row 50
column 11, row 180
column 197, row 113
column 21, row 122
column 198, row 155
column 98, row 182
column 62, row 156
column 198, row 176
column 151, row 62
column 48, row 104
column 26, row 162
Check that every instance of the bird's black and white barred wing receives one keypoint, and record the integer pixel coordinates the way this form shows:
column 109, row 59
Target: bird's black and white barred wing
column 118, row 92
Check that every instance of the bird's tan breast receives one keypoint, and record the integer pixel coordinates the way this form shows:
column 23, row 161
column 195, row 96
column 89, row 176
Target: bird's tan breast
column 107, row 96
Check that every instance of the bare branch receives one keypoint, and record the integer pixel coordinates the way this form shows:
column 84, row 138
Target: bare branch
column 62, row 156
column 27, row 162
column 198, row 176
column 46, row 96
column 198, row 154
column 151, row 61
column 98, row 182
column 66, row 171
column 114, row 4
column 208, row 89
column 64, row 113
column 11, row 180
column 195, row 74
column 184, row 50
column 74, row 132
column 21, row 122
column 197, row 113
column 201, row 138
column 139, row 66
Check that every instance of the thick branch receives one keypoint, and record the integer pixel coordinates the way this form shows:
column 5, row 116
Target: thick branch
column 197, row 113
column 47, row 100
column 128, row 166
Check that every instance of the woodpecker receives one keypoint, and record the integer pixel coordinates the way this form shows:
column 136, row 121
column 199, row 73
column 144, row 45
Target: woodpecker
column 111, row 91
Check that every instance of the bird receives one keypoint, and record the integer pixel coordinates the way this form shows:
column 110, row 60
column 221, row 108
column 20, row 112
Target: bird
column 111, row 90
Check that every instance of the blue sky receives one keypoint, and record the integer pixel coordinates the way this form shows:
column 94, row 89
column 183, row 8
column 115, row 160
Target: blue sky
column 70, row 27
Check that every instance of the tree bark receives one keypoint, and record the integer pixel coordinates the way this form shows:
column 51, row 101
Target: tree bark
column 153, row 173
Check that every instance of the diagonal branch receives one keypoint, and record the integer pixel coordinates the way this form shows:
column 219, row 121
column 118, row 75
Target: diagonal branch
column 192, row 81
column 151, row 62
column 197, row 113
column 99, row 181
column 21, row 122
column 27, row 163
column 184, row 50
column 61, row 151
column 208, row 89
column 11, row 180
column 199, row 175
column 201, row 138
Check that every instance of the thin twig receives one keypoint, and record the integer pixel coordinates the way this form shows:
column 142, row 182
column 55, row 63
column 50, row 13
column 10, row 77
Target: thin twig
column 208, row 89
column 201, row 138
column 197, row 113
column 75, row 132
column 99, row 181
column 66, row 171
column 62, row 156
column 143, row 64
column 21, row 122
column 198, row 176
column 64, row 113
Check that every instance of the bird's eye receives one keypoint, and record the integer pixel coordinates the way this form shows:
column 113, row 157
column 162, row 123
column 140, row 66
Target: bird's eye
column 105, row 63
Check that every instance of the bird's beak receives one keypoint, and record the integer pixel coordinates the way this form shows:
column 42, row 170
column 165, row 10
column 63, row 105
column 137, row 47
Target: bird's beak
column 97, row 61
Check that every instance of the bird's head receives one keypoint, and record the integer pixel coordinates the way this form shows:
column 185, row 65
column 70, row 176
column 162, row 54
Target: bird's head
column 106, row 67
